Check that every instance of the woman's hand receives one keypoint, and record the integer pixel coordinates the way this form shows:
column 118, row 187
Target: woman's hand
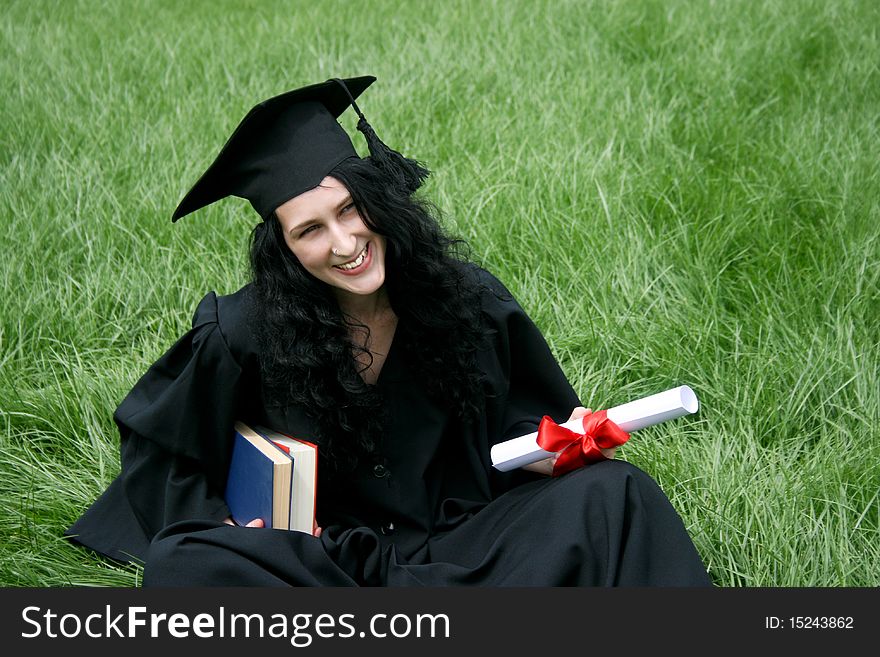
column 256, row 522
column 545, row 467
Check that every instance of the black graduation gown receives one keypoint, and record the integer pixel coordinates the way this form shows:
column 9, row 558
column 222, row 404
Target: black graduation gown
column 427, row 509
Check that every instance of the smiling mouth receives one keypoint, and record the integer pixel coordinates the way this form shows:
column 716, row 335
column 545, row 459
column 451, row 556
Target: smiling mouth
column 357, row 262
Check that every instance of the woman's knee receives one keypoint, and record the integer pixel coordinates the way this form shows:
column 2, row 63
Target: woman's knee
column 608, row 473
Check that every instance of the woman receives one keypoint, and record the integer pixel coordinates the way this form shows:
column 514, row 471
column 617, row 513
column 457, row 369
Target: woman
column 365, row 332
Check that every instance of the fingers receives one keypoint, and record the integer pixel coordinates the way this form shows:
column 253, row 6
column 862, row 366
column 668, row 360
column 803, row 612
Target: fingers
column 579, row 412
column 256, row 522
column 544, row 467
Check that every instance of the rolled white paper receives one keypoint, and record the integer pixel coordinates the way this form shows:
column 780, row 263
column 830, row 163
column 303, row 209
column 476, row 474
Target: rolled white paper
column 632, row 416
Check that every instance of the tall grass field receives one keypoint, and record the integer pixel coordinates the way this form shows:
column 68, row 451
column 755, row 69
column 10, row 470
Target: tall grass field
column 677, row 192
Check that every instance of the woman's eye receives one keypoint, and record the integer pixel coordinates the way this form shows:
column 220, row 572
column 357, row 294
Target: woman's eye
column 308, row 230
column 348, row 208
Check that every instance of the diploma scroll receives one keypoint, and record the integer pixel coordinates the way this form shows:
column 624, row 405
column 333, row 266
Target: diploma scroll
column 632, row 416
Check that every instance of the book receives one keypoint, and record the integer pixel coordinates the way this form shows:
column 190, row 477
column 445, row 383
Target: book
column 259, row 475
column 275, row 482
column 632, row 416
column 304, row 481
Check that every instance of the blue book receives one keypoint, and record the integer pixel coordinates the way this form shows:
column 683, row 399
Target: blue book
column 259, row 484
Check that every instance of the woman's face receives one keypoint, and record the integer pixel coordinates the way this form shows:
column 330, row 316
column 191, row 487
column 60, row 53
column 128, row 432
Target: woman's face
column 324, row 230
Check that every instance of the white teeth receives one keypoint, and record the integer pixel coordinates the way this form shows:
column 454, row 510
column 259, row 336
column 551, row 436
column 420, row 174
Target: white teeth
column 357, row 262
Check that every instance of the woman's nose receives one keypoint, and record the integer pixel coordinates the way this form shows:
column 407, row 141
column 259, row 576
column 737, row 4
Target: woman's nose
column 344, row 242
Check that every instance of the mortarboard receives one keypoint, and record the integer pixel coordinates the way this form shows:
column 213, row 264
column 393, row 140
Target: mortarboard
column 286, row 145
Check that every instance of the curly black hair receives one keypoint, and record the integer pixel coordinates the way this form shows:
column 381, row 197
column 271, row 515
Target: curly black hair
column 306, row 349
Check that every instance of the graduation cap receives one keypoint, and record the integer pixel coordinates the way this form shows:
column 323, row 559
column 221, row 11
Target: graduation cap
column 288, row 144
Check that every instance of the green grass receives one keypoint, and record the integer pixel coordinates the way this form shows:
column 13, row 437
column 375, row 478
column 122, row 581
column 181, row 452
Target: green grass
column 678, row 192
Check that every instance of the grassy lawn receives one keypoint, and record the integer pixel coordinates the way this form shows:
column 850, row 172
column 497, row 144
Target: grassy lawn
column 677, row 192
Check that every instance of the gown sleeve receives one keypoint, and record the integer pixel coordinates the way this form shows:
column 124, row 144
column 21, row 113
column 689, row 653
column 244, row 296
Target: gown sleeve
column 175, row 436
column 525, row 380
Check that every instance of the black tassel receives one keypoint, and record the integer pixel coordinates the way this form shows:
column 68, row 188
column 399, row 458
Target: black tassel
column 403, row 172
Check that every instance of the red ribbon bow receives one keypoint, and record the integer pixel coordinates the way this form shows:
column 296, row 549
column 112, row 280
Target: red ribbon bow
column 579, row 449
